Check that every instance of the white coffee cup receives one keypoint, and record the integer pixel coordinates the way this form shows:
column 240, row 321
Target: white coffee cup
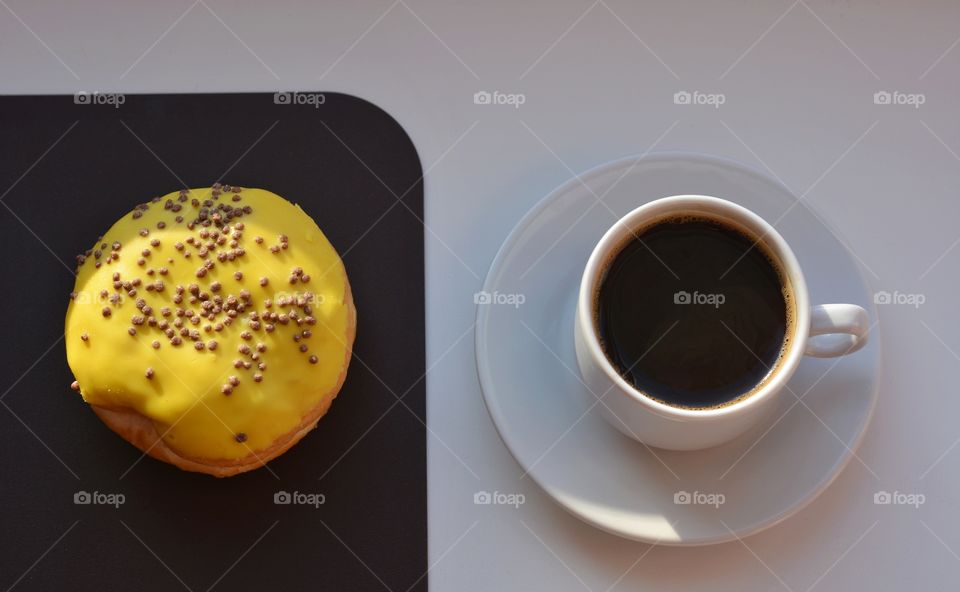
column 823, row 331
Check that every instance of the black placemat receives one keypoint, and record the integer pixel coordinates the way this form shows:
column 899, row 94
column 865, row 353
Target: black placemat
column 69, row 167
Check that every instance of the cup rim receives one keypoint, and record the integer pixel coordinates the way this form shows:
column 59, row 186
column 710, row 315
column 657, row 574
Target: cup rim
column 710, row 206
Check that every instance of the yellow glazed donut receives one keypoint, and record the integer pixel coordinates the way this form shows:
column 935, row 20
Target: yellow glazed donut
column 211, row 328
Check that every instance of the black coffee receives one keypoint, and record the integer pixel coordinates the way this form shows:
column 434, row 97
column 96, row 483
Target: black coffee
column 694, row 313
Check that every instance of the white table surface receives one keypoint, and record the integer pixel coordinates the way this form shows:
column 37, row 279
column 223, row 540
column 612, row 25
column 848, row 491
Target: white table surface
column 599, row 79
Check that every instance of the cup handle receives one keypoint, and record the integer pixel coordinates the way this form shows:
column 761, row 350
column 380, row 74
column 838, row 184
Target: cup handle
column 837, row 330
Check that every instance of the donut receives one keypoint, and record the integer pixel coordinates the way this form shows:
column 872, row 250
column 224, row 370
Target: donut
column 211, row 328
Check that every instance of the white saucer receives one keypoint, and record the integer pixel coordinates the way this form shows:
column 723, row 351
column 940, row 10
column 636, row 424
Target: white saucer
column 528, row 372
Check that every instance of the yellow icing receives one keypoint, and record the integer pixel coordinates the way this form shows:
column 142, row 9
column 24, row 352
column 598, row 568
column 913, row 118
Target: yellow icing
column 184, row 396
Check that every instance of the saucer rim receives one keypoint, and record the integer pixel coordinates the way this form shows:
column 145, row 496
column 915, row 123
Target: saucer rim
column 486, row 379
